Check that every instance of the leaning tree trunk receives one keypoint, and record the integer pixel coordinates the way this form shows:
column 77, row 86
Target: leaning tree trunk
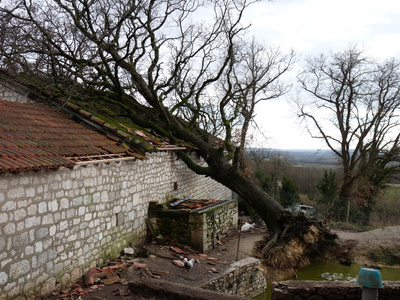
column 269, row 210
column 294, row 240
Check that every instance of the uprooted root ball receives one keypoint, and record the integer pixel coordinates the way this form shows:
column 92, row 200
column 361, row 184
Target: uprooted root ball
column 303, row 241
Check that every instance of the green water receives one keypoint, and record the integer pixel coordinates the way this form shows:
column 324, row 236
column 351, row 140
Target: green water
column 320, row 271
column 338, row 272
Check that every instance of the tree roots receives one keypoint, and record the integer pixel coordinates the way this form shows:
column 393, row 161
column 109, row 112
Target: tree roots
column 299, row 242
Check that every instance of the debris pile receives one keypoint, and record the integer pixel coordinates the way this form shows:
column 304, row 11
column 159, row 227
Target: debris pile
column 189, row 204
column 116, row 272
column 127, row 269
column 196, row 256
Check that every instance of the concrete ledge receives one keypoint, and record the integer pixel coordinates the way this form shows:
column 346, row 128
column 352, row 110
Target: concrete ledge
column 161, row 289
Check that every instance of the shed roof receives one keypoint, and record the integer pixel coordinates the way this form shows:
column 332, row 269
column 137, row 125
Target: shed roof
column 33, row 137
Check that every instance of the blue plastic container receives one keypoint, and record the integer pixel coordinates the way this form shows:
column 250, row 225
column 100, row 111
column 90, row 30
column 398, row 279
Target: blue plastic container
column 370, row 277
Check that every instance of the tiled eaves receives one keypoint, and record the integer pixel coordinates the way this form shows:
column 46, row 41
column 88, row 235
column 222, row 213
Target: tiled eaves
column 34, row 137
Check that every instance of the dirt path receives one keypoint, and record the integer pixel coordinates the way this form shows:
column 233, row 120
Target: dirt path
column 376, row 247
column 383, row 236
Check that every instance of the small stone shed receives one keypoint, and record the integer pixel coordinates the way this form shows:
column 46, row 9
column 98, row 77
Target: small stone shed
column 73, row 195
column 201, row 228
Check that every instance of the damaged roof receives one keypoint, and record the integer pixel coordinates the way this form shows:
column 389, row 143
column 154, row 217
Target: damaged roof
column 33, row 137
column 141, row 139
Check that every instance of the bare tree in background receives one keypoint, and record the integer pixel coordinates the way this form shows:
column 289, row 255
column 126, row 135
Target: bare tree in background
column 354, row 107
column 269, row 166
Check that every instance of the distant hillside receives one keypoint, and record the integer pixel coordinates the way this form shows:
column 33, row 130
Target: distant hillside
column 321, row 157
column 312, row 156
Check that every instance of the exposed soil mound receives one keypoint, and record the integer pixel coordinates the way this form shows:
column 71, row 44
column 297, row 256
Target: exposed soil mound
column 380, row 247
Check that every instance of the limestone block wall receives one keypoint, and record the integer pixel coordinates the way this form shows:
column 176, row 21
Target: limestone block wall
column 243, row 278
column 55, row 225
column 13, row 91
column 216, row 224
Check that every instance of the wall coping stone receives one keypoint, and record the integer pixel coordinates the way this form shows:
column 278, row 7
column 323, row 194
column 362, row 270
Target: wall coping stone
column 247, row 267
column 308, row 289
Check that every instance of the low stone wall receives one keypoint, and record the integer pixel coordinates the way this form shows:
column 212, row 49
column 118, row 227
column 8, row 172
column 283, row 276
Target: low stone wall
column 56, row 224
column 217, row 223
column 318, row 290
column 243, row 278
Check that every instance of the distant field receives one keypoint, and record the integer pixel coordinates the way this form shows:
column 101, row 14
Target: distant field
column 318, row 166
column 387, row 210
column 324, row 158
column 312, row 156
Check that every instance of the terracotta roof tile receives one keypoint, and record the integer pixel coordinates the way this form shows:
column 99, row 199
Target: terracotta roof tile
column 33, row 137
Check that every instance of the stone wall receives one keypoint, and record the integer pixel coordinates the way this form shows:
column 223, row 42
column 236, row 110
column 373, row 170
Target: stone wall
column 338, row 290
column 243, row 278
column 199, row 228
column 210, row 225
column 13, row 91
column 55, row 225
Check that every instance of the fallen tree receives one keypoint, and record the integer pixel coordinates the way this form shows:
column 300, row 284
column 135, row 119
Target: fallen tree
column 167, row 67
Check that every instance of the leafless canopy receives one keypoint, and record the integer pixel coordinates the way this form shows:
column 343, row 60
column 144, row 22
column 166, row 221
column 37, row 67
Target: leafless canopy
column 157, row 59
column 354, row 107
column 185, row 69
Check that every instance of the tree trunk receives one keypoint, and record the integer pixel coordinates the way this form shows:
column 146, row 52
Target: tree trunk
column 344, row 196
column 269, row 210
column 221, row 169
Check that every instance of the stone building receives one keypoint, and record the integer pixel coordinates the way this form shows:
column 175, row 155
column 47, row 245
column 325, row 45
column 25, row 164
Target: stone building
column 72, row 196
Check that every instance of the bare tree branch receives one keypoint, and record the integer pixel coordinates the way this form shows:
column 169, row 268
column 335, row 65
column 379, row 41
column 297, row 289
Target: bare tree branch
column 361, row 99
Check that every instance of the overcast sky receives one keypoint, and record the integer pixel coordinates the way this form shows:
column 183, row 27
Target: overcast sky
column 311, row 27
